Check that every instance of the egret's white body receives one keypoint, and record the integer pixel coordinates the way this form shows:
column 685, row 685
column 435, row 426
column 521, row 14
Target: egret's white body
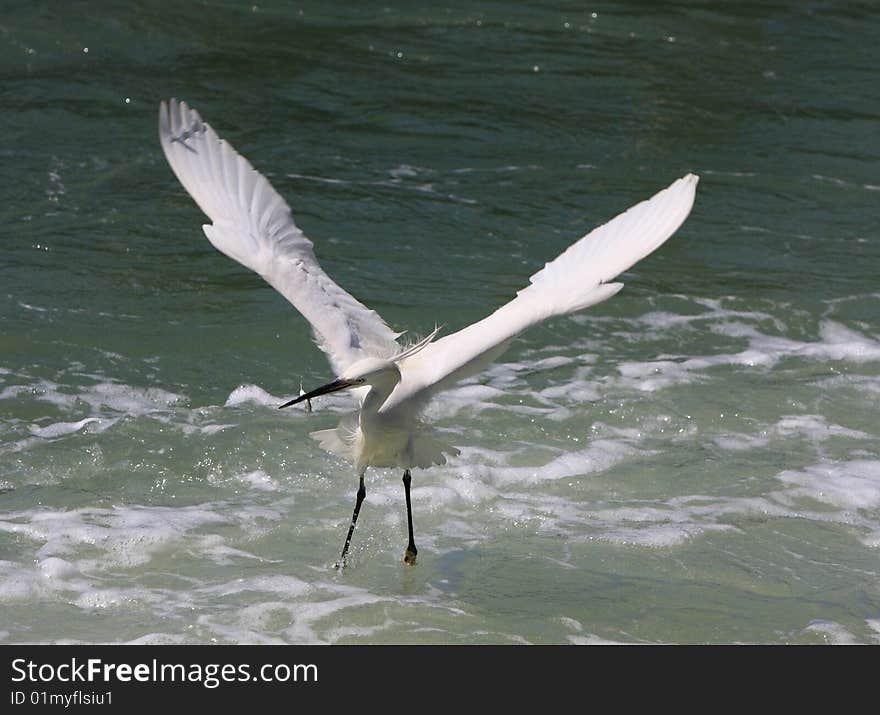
column 252, row 224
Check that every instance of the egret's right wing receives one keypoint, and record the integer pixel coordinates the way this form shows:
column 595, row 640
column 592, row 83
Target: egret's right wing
column 576, row 279
column 252, row 224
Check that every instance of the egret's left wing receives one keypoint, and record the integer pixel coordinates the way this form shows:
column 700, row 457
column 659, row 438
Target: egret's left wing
column 252, row 224
column 576, row 279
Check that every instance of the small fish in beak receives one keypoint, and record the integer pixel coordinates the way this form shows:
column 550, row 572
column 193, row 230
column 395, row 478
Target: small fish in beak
column 303, row 392
column 334, row 386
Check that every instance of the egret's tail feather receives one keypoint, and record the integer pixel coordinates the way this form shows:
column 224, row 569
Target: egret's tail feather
column 422, row 450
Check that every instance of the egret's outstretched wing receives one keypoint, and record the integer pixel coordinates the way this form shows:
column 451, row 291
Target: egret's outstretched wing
column 252, row 224
column 575, row 280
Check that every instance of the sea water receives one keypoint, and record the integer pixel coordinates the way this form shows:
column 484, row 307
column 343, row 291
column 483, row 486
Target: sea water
column 695, row 461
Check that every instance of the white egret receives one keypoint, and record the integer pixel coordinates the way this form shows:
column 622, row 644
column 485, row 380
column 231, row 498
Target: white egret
column 252, row 224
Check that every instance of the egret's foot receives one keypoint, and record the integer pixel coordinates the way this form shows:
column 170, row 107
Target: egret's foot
column 410, row 556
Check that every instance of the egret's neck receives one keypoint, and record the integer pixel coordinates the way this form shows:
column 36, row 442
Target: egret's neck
column 380, row 390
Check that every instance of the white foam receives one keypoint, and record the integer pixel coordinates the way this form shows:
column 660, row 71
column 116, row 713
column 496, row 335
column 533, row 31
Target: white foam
column 306, row 615
column 55, row 568
column 831, row 632
column 815, row 428
column 405, row 171
column 847, row 485
column 245, row 394
column 258, row 479
column 28, row 306
column 128, row 399
column 129, row 536
column 210, row 429
column 571, row 623
column 100, row 396
column 660, row 374
column 860, row 384
column 590, row 639
column 471, row 397
column 660, row 320
column 38, row 390
column 741, row 442
column 836, row 343
column 659, row 535
column 577, row 392
column 289, row 586
column 602, row 454
column 872, row 539
column 698, row 508
column 214, row 429
column 18, row 584
column 159, row 639
column 59, row 429
column 504, row 373
column 852, row 487
column 105, row 598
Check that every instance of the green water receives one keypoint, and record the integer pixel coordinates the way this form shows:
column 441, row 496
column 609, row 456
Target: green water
column 696, row 460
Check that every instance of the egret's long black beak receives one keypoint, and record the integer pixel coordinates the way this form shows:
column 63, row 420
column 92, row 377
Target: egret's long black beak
column 334, row 386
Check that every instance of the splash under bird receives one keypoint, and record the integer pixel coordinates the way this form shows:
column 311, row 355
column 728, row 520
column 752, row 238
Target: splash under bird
column 252, row 224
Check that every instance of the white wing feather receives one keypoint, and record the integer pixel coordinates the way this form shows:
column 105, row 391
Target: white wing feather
column 576, row 279
column 252, row 224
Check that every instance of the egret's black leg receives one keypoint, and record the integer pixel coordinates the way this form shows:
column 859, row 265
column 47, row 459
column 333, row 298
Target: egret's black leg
column 411, row 550
column 361, row 495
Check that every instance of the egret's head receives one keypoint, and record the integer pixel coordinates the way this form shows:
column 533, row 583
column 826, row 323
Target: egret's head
column 373, row 372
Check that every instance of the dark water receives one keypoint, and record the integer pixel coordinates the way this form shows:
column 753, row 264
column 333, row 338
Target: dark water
column 697, row 460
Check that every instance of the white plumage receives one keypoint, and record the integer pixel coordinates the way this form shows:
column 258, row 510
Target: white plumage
column 252, row 224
